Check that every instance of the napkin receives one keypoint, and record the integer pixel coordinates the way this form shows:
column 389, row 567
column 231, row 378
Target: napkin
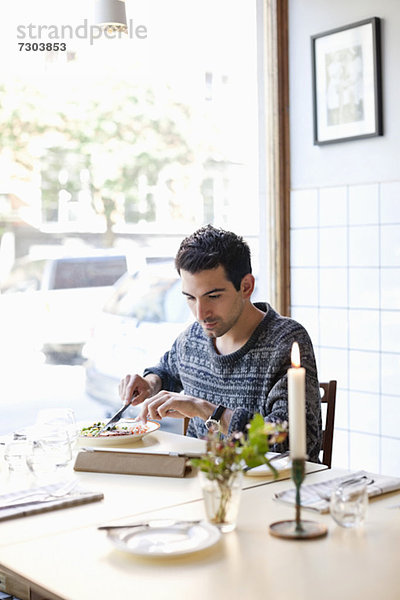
column 22, row 503
column 282, row 465
column 317, row 496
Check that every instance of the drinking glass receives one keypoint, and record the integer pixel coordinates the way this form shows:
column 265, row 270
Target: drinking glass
column 16, row 474
column 349, row 501
column 63, row 418
column 50, row 452
column 15, row 453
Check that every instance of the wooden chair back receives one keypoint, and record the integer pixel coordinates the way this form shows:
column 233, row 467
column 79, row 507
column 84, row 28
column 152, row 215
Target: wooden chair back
column 328, row 396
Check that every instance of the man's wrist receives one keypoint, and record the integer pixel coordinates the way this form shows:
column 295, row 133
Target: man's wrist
column 154, row 382
column 209, row 408
column 206, row 409
column 213, row 422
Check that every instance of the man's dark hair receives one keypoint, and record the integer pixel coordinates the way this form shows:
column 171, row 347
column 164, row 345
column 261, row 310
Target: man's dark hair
column 209, row 248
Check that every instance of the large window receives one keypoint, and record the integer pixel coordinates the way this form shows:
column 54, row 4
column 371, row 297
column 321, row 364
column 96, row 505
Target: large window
column 129, row 143
column 158, row 132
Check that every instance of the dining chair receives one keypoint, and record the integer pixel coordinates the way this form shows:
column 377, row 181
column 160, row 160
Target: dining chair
column 328, row 397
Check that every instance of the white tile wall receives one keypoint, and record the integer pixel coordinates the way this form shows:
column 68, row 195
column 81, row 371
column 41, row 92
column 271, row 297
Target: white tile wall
column 304, row 248
column 332, row 206
column 363, row 204
column 304, row 208
column 390, row 288
column 364, row 288
column 390, row 245
column 333, row 364
column 364, row 452
column 342, row 409
column 390, row 405
column 307, row 317
column 364, row 329
column 304, row 288
column 333, row 247
column 390, row 456
column 340, row 452
column 345, row 289
column 364, row 412
column 364, row 246
column 333, row 287
column 390, row 377
column 390, row 330
column 334, row 327
column 390, row 202
column 364, row 371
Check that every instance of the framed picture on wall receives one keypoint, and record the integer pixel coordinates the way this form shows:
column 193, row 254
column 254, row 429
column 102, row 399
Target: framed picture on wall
column 347, row 82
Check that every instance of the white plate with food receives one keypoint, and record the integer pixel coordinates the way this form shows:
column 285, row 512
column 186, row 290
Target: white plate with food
column 165, row 538
column 123, row 432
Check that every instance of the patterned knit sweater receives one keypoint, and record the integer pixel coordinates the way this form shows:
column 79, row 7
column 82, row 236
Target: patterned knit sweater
column 252, row 379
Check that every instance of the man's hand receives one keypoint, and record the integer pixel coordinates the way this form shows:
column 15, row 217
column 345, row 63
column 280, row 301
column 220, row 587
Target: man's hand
column 134, row 389
column 176, row 405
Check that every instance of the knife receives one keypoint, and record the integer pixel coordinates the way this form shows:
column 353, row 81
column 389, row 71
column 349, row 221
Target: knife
column 113, row 419
column 154, row 523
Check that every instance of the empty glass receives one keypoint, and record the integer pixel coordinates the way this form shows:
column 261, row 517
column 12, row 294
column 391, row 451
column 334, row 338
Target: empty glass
column 349, row 501
column 62, row 418
column 15, row 454
column 50, row 452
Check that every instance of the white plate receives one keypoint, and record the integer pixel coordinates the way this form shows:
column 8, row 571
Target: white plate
column 112, row 440
column 166, row 539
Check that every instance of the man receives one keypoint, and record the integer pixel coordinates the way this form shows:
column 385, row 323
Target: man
column 232, row 361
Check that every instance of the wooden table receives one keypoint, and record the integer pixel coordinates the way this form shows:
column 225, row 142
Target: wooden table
column 62, row 555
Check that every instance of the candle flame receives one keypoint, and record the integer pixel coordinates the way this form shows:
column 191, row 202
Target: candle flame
column 295, row 356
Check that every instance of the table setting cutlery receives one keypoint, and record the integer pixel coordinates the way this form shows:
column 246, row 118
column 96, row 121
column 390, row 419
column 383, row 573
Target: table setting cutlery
column 157, row 538
column 318, row 496
column 114, row 419
column 155, row 523
column 38, row 495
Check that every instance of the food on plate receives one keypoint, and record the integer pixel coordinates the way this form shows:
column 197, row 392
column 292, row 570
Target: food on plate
column 118, row 429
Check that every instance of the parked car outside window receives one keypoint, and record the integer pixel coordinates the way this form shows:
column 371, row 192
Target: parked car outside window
column 143, row 316
column 55, row 300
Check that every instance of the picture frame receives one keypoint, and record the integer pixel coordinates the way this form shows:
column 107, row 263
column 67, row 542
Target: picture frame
column 347, row 82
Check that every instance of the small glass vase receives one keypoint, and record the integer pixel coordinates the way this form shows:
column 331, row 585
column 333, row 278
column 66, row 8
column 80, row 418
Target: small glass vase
column 221, row 499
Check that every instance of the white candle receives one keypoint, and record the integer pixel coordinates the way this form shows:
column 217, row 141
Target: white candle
column 297, row 406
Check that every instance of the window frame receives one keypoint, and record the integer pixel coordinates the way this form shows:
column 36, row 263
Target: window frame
column 272, row 16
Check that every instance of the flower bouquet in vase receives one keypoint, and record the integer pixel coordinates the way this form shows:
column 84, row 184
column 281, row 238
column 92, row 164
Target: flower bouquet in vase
column 221, row 468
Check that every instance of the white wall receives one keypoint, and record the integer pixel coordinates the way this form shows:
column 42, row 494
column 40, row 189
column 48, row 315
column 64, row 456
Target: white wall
column 369, row 160
column 345, row 243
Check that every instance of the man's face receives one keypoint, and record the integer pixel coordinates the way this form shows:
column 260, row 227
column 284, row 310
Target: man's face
column 213, row 300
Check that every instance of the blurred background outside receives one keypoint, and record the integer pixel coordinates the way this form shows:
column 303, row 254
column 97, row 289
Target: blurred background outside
column 110, row 154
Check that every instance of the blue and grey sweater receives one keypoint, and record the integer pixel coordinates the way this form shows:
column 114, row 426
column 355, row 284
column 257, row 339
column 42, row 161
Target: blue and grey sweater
column 252, row 379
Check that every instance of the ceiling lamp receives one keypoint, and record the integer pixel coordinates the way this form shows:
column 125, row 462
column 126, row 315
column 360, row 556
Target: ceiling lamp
column 111, row 15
